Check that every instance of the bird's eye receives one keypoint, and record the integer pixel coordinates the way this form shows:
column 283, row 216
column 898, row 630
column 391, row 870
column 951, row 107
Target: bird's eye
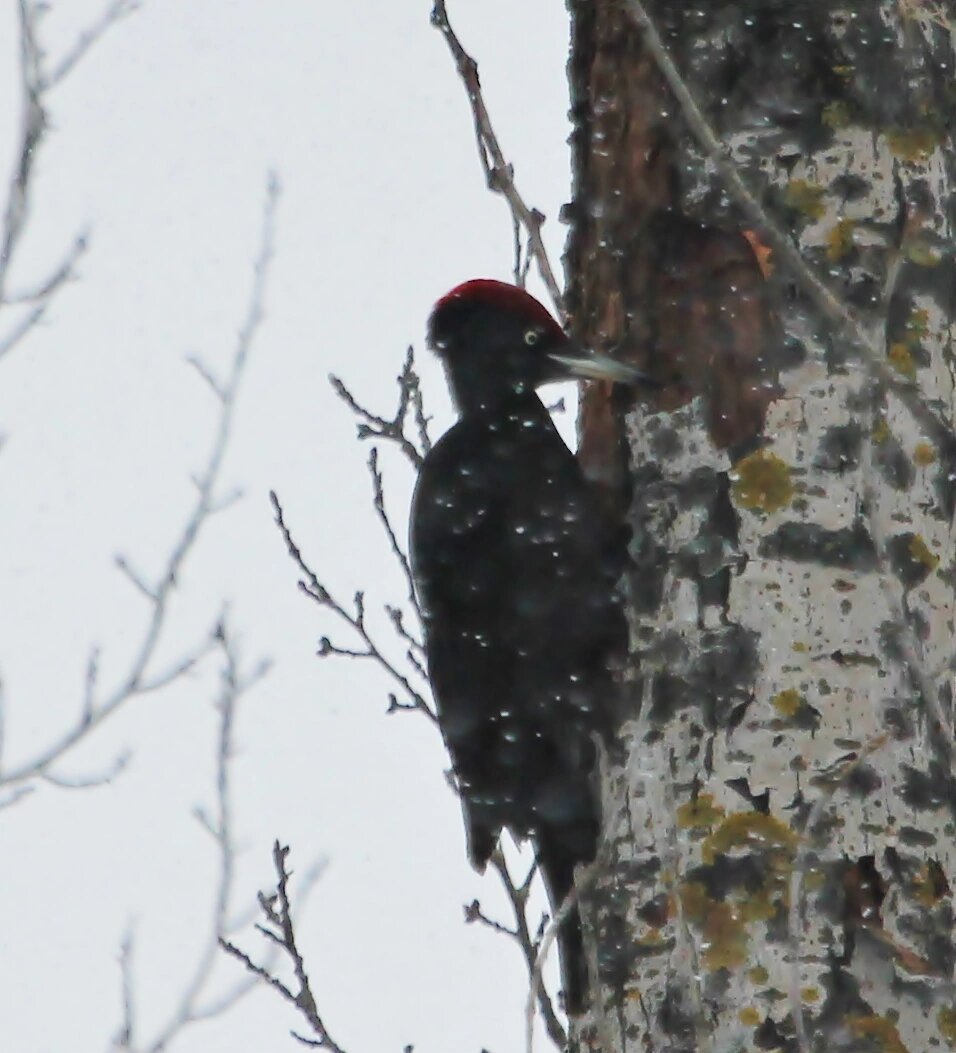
column 531, row 337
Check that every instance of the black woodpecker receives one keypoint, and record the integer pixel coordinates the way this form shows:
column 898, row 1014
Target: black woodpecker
column 516, row 572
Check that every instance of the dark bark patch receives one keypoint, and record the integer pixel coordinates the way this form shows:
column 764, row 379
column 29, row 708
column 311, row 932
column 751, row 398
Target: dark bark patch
column 911, row 559
column 849, row 549
column 839, row 448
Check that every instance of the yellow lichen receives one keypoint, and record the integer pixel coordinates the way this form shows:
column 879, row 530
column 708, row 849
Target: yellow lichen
column 901, row 359
column 758, row 975
column 699, row 814
column 946, row 1022
column 805, row 197
column 749, row 1016
column 694, row 899
column 881, row 1032
column 788, row 703
column 762, row 482
column 926, row 885
column 810, row 994
column 924, row 454
column 800, row 647
column 912, row 144
column 881, row 431
column 921, row 553
column 918, row 323
column 920, row 252
column 724, row 940
column 749, row 830
column 840, row 240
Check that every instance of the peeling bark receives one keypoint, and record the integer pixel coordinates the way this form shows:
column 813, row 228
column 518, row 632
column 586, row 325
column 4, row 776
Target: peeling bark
column 780, row 818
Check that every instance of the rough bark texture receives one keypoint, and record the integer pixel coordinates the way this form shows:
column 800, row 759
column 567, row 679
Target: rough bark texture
column 780, row 820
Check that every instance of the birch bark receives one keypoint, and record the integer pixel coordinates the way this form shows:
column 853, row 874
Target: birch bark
column 779, row 852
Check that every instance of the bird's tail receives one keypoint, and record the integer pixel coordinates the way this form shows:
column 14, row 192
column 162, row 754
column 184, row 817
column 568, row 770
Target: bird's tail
column 557, row 865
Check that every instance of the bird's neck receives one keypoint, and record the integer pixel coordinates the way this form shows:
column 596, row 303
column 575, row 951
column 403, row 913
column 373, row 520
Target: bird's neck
column 481, row 392
column 494, row 404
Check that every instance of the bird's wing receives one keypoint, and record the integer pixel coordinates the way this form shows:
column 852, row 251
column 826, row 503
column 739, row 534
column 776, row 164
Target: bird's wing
column 512, row 563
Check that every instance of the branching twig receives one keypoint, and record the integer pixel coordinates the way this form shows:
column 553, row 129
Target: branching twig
column 35, row 83
column 137, row 680
column 521, row 934
column 191, row 1008
column 355, row 620
column 113, row 13
column 499, row 172
column 846, row 322
column 280, row 931
column 409, row 399
column 378, row 501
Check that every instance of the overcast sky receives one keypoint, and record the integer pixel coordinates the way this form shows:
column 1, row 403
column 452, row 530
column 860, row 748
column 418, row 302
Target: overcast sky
column 159, row 144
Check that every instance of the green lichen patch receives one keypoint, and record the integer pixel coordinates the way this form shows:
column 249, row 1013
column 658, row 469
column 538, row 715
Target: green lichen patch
column 750, row 830
column 921, row 553
column 946, row 1022
column 840, row 240
column 762, row 482
column 901, row 359
column 880, row 1031
column 724, row 902
column 795, row 709
column 806, row 198
column 699, row 814
column 913, row 144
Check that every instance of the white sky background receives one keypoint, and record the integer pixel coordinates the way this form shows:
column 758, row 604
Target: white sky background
column 160, row 143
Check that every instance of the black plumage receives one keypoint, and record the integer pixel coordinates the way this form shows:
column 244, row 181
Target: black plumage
column 516, row 570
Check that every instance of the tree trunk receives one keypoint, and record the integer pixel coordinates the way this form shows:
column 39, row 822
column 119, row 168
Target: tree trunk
column 780, row 815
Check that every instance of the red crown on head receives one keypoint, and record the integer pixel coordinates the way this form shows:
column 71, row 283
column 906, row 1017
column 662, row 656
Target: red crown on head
column 500, row 294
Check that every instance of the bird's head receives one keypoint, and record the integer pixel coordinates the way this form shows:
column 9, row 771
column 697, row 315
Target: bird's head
column 496, row 341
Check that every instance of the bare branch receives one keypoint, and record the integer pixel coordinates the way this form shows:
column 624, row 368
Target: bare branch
column 136, row 681
column 498, row 171
column 378, row 500
column 30, row 320
column 847, row 323
column 35, row 83
column 355, row 620
column 521, row 934
column 192, row 1007
column 278, row 913
column 113, row 13
column 409, row 398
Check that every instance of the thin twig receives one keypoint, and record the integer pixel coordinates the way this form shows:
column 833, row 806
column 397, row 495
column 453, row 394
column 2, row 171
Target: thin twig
column 35, row 82
column 530, row 948
column 355, row 620
column 847, row 323
column 112, row 14
column 376, row 427
column 278, row 915
column 136, row 681
column 378, row 501
column 192, row 1007
column 499, row 173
